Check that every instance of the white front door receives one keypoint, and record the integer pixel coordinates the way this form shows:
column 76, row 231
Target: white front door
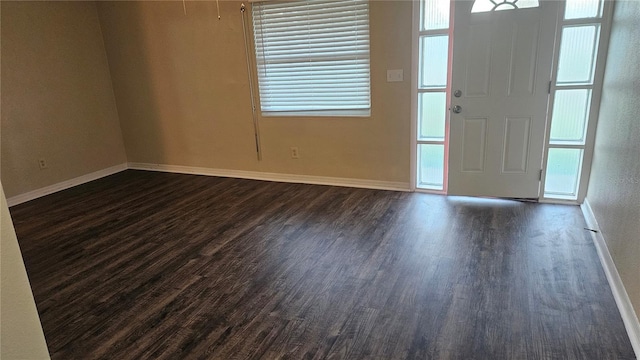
column 502, row 63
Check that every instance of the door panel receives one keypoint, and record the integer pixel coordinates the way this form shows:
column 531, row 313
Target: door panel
column 502, row 61
column 516, row 145
column 478, row 69
column 522, row 67
column 475, row 131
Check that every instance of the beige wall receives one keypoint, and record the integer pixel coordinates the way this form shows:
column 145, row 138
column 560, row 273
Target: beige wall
column 183, row 98
column 21, row 335
column 614, row 187
column 57, row 99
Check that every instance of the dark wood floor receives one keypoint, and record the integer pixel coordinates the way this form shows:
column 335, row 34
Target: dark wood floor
column 144, row 265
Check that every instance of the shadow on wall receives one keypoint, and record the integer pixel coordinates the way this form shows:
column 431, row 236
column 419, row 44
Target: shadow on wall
column 136, row 99
column 180, row 81
column 57, row 98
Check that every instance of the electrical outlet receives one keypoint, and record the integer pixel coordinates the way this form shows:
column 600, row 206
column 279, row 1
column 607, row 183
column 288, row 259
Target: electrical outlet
column 295, row 154
column 43, row 163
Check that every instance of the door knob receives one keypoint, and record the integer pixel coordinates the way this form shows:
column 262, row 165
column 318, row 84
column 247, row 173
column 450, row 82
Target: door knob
column 456, row 109
column 457, row 93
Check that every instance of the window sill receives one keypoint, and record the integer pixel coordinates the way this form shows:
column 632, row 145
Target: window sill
column 319, row 113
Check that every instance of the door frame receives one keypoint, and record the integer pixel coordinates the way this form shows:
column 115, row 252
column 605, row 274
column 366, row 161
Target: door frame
column 585, row 171
column 596, row 95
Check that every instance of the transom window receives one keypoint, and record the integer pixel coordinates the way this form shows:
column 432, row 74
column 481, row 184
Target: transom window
column 497, row 5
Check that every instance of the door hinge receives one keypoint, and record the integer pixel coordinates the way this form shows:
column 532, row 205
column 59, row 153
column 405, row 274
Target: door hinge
column 540, row 175
column 549, row 89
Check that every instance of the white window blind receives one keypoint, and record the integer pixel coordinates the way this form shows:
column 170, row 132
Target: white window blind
column 312, row 54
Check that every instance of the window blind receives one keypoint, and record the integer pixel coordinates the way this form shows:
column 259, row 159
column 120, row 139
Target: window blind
column 312, row 54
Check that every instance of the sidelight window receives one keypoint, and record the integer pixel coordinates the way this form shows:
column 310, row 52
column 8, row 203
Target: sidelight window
column 433, row 77
column 571, row 94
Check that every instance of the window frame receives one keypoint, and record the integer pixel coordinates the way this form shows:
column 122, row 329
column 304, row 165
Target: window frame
column 303, row 111
column 604, row 22
column 417, row 34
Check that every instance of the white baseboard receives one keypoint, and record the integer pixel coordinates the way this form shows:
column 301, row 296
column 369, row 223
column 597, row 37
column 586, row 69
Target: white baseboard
column 19, row 199
column 625, row 307
column 241, row 174
column 289, row 178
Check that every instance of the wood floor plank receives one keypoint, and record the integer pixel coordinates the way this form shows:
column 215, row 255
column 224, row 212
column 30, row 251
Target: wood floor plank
column 145, row 265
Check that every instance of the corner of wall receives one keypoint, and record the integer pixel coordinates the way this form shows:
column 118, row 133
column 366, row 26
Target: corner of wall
column 20, row 328
column 628, row 314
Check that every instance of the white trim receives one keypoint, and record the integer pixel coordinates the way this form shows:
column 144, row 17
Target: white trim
column 430, row 191
column 240, row 174
column 625, row 307
column 413, row 154
column 28, row 196
column 557, row 201
column 265, row 176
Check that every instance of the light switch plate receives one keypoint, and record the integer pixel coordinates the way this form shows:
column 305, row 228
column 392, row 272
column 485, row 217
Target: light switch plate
column 395, row 75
